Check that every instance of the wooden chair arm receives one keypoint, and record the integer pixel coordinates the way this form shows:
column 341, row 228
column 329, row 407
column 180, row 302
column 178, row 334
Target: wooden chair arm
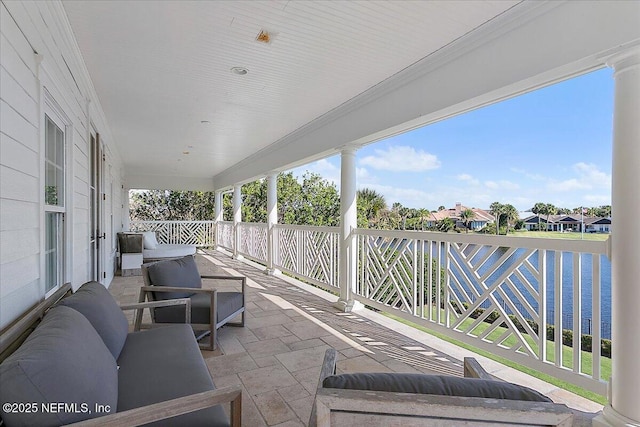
column 242, row 278
column 140, row 306
column 177, row 289
column 472, row 369
column 328, row 368
column 172, row 408
column 222, row 277
column 328, row 365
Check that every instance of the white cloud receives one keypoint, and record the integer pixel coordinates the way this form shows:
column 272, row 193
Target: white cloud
column 402, row 159
column 465, row 177
column 589, row 177
column 407, row 196
column 501, row 185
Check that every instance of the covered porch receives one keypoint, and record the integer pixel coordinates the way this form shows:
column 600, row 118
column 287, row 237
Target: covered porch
column 276, row 357
column 100, row 97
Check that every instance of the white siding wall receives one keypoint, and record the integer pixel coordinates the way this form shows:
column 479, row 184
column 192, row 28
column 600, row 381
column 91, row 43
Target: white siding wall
column 27, row 28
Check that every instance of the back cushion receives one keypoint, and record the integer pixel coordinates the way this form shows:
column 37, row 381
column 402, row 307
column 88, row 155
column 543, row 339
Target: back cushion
column 150, row 240
column 95, row 302
column 62, row 361
column 181, row 272
column 441, row 385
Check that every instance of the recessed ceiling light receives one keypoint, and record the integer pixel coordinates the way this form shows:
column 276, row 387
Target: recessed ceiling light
column 241, row 71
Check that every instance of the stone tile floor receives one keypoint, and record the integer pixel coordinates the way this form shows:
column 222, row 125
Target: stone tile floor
column 276, row 357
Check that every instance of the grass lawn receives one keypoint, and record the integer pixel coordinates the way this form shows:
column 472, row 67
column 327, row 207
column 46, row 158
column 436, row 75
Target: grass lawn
column 567, row 356
column 559, row 235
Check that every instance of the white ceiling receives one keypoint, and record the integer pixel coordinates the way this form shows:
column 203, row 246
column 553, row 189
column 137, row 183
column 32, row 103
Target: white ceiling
column 162, row 67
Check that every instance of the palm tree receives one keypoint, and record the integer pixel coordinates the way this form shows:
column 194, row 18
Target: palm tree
column 466, row 216
column 369, row 203
column 445, row 225
column 496, row 209
column 539, row 209
column 550, row 209
column 422, row 214
column 511, row 214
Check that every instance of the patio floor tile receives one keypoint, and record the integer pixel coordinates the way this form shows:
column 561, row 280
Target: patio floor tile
column 276, row 357
column 266, row 379
column 273, row 408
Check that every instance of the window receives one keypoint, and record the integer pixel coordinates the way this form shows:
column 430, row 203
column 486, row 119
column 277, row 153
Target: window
column 54, row 200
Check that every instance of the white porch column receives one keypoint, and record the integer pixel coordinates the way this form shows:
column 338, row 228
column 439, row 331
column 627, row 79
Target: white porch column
column 126, row 215
column 272, row 220
column 348, row 222
column 237, row 219
column 218, row 213
column 623, row 408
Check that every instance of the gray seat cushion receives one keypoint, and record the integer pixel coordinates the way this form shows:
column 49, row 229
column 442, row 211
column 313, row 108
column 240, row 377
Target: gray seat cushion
column 228, row 303
column 95, row 302
column 181, row 272
column 162, row 364
column 433, row 384
column 64, row 360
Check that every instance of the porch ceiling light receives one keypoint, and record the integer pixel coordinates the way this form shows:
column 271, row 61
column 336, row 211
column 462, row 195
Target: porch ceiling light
column 241, row 71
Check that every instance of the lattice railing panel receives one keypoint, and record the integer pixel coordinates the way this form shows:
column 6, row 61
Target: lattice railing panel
column 226, row 235
column 508, row 295
column 388, row 272
column 308, row 252
column 199, row 233
column 253, row 241
column 505, row 283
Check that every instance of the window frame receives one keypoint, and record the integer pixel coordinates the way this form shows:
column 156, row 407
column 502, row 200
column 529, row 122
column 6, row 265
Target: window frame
column 52, row 111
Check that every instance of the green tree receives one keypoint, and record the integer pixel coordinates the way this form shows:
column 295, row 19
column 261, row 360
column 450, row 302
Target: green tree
column 510, row 214
column 445, row 225
column 166, row 205
column 423, row 214
column 369, row 204
column 467, row 216
column 550, row 209
column 497, row 209
column 539, row 209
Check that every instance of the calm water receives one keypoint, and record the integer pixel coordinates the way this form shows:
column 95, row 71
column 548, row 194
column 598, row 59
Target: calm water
column 566, row 280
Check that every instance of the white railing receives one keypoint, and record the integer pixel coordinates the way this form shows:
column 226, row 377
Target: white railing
column 308, row 252
column 253, row 241
column 225, row 235
column 493, row 292
column 199, row 233
column 508, row 295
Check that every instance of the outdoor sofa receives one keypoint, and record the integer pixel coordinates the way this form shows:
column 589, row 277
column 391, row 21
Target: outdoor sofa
column 81, row 364
column 138, row 247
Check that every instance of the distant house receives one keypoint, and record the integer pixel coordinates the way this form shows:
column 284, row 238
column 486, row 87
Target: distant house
column 480, row 217
column 567, row 223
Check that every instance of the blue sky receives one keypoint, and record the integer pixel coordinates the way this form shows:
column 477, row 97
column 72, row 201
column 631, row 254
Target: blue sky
column 552, row 145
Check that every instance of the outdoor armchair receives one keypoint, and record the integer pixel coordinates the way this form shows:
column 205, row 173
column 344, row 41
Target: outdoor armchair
column 382, row 398
column 210, row 308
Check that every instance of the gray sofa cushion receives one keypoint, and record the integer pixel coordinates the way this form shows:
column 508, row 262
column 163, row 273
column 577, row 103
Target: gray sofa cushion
column 161, row 364
column 64, row 360
column 228, row 303
column 181, row 272
column 433, row 384
column 95, row 302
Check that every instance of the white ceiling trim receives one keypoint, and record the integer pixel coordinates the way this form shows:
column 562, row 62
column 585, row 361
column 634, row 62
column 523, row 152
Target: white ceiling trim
column 531, row 45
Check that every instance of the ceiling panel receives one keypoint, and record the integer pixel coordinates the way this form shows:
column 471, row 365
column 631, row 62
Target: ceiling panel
column 161, row 68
